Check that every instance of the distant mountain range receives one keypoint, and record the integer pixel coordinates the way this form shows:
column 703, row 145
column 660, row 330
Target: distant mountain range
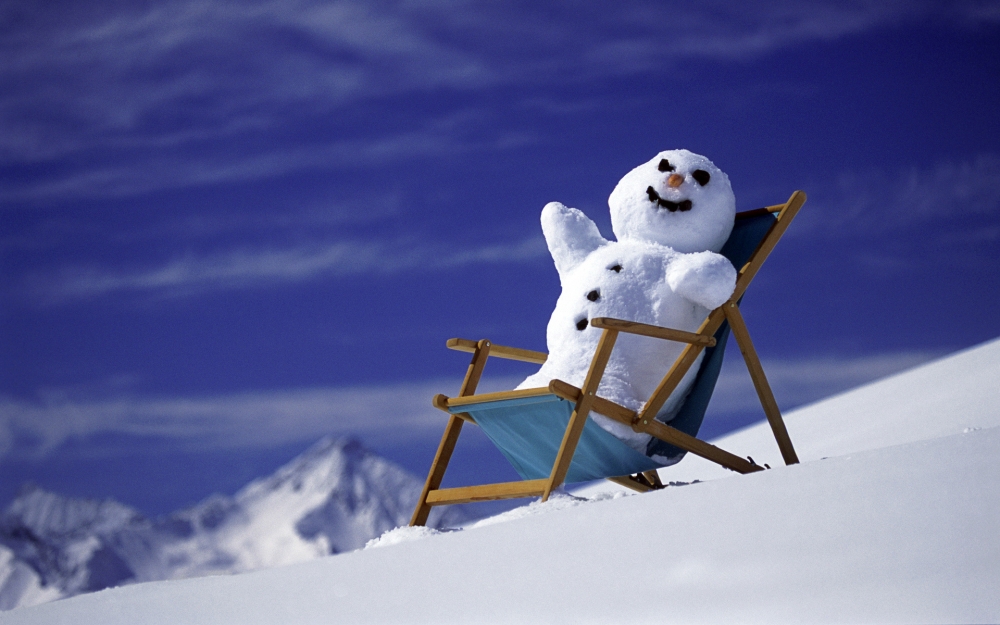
column 333, row 498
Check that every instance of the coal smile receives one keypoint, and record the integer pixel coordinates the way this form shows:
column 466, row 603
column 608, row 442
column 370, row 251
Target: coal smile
column 654, row 197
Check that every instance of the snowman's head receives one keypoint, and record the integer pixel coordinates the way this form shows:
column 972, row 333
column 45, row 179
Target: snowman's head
column 678, row 199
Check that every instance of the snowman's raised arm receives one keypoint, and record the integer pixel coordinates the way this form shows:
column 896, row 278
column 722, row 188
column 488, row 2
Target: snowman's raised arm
column 570, row 235
column 705, row 278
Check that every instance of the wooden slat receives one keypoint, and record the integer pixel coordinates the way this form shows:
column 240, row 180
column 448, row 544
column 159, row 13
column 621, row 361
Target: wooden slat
column 742, row 336
column 453, row 402
column 654, row 331
column 605, row 407
column 500, row 351
column 696, row 446
column 565, row 390
column 438, row 467
column 475, row 370
column 486, row 492
column 464, row 416
column 760, row 211
column 579, row 417
column 628, row 482
column 652, row 427
column 441, row 403
column 450, row 437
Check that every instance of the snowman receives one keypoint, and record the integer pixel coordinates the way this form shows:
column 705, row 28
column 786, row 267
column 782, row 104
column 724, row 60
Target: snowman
column 671, row 216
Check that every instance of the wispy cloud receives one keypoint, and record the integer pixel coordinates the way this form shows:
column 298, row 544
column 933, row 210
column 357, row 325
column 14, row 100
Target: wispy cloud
column 392, row 413
column 447, row 134
column 255, row 268
column 961, row 196
column 109, row 79
column 948, row 190
column 238, row 420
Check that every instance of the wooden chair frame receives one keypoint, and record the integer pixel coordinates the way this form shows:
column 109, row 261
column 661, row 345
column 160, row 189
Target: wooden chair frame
column 586, row 398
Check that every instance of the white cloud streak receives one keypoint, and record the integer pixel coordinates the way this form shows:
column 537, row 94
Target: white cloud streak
column 947, row 190
column 857, row 205
column 254, row 268
column 392, row 413
column 252, row 419
column 127, row 178
column 85, row 77
column 961, row 196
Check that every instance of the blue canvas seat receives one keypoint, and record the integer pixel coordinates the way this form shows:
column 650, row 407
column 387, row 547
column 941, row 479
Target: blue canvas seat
column 546, row 434
column 529, row 430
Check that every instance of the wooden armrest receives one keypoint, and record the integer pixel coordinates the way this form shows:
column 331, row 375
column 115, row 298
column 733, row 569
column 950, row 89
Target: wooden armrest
column 658, row 332
column 500, row 351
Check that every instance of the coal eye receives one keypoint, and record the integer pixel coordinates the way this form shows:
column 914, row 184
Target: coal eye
column 701, row 176
column 616, row 268
column 665, row 165
column 581, row 324
column 594, row 295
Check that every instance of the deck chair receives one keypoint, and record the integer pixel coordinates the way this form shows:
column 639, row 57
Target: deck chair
column 546, row 434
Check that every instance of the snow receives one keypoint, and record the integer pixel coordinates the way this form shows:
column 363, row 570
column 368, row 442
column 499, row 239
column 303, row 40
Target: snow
column 702, row 278
column 401, row 535
column 570, row 235
column 20, row 584
column 663, row 270
column 705, row 226
column 891, row 517
column 944, row 397
column 638, row 291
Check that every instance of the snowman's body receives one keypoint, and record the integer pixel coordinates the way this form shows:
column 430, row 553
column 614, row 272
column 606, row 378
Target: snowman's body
column 663, row 270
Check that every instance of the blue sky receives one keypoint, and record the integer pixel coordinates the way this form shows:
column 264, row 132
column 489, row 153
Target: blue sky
column 230, row 229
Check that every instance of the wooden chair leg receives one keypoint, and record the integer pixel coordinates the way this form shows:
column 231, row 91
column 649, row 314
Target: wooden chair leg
column 629, row 482
column 742, row 336
column 640, row 482
column 438, row 467
column 450, row 437
column 653, row 478
column 579, row 417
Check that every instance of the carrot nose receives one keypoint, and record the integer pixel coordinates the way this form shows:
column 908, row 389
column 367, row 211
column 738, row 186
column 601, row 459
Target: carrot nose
column 675, row 180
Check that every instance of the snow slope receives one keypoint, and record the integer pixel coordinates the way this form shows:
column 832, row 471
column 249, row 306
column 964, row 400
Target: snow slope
column 951, row 395
column 897, row 524
column 947, row 396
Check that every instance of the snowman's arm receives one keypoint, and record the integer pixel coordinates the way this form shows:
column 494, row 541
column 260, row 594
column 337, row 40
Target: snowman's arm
column 705, row 278
column 570, row 235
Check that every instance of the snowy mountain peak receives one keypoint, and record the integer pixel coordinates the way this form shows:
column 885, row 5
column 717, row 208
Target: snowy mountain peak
column 332, row 498
column 321, row 466
column 340, row 492
column 50, row 515
column 67, row 543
